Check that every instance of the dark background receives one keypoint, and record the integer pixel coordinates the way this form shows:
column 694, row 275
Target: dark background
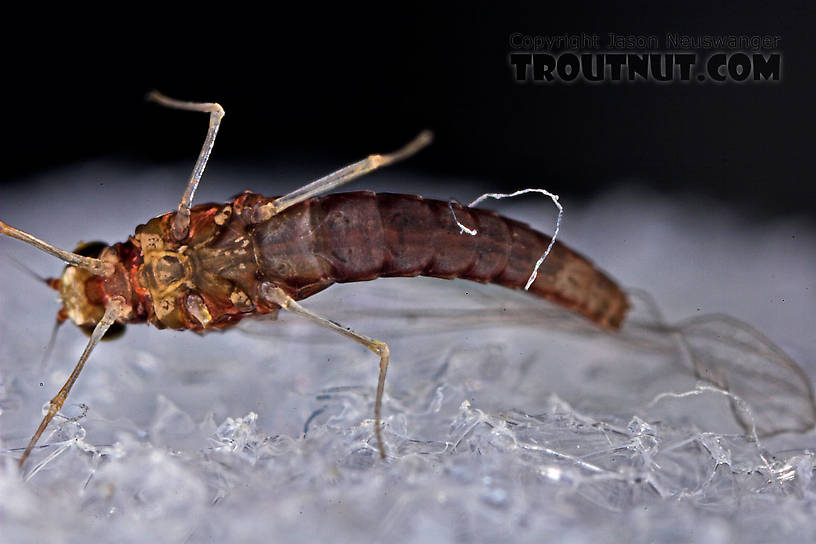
column 313, row 83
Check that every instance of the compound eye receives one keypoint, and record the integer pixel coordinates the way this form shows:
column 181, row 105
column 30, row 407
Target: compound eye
column 90, row 249
column 115, row 331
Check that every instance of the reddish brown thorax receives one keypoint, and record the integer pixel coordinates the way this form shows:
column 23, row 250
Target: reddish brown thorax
column 206, row 281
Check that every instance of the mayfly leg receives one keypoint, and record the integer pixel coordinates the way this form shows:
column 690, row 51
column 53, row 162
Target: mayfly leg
column 181, row 224
column 94, row 265
column 112, row 313
column 279, row 297
column 341, row 177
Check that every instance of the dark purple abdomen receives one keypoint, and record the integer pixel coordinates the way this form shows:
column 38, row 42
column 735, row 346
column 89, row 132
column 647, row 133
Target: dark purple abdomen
column 362, row 235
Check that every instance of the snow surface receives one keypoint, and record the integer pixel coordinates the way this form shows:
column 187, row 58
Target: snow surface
column 505, row 418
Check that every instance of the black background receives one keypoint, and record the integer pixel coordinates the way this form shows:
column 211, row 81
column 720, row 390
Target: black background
column 311, row 82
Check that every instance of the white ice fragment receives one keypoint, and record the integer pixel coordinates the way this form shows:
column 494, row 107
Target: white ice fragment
column 552, row 472
column 169, row 420
column 235, row 435
column 713, row 444
column 796, row 468
column 74, row 437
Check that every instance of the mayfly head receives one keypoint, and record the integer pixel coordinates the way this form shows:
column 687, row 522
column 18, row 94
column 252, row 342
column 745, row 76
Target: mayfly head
column 83, row 295
column 96, row 294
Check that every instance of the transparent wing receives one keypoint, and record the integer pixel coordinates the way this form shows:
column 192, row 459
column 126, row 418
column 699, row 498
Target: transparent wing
column 426, row 319
column 738, row 358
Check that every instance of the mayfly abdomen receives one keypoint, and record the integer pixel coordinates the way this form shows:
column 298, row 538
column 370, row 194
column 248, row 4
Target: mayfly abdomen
column 361, row 236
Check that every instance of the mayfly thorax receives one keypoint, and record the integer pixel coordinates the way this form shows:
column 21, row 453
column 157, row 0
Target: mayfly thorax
column 209, row 266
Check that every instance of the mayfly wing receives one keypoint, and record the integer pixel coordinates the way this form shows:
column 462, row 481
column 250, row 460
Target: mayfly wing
column 279, row 297
column 401, row 304
column 738, row 358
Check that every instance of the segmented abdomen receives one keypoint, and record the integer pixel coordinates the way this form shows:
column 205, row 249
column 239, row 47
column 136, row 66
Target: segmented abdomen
column 362, row 236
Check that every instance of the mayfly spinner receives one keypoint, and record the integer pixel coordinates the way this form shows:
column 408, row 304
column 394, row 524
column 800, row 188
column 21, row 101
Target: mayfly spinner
column 207, row 267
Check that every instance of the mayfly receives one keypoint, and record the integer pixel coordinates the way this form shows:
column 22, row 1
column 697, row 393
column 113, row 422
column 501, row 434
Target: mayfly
column 207, row 267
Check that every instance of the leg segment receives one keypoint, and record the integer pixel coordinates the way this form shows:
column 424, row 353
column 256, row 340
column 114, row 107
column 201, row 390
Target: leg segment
column 340, row 177
column 94, row 265
column 112, row 312
column 181, row 225
column 279, row 297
